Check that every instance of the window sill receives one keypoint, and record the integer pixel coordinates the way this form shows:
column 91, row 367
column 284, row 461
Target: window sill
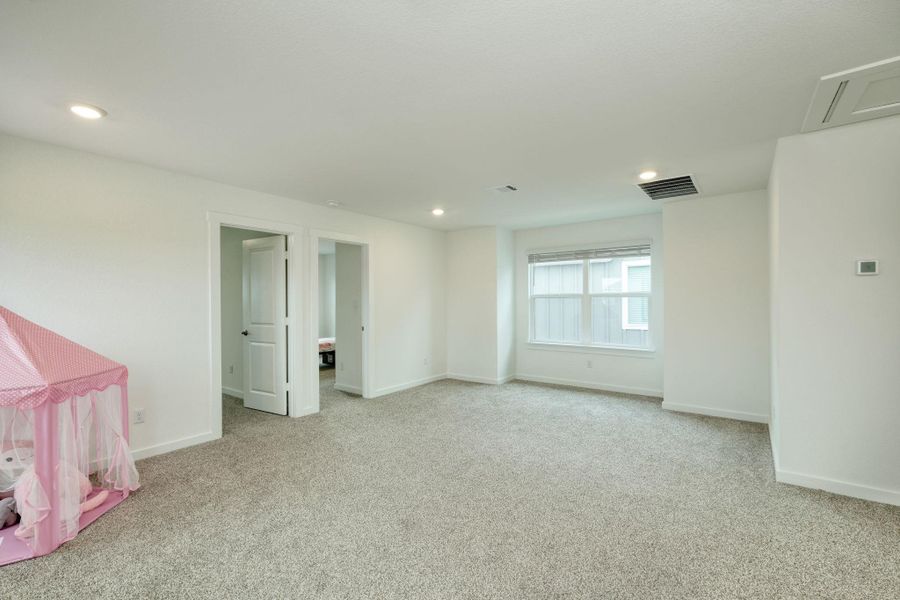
column 608, row 350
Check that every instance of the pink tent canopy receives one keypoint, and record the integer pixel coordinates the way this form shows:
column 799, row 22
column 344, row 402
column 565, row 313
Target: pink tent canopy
column 64, row 455
column 37, row 365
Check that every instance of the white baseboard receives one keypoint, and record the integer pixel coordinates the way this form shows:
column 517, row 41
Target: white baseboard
column 409, row 384
column 478, row 379
column 715, row 412
column 350, row 389
column 591, row 385
column 835, row 486
column 173, row 445
column 233, row 392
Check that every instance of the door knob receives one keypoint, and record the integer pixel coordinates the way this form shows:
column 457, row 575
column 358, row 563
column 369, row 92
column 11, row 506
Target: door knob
column 245, row 332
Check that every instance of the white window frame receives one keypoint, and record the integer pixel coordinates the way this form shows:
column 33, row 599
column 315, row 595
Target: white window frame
column 586, row 333
column 533, row 297
column 627, row 264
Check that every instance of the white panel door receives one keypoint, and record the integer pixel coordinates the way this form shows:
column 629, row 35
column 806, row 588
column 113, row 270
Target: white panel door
column 264, row 318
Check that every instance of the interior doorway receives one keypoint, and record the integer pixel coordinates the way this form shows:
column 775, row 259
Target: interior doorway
column 302, row 368
column 342, row 302
column 254, row 322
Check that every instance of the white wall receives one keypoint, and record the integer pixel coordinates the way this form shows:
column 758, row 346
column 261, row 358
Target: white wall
column 836, row 336
column 348, row 318
column 232, row 304
column 472, row 304
column 506, row 304
column 717, row 306
column 614, row 370
column 326, row 295
column 115, row 255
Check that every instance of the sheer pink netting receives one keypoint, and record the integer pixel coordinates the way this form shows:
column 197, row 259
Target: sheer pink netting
column 64, row 453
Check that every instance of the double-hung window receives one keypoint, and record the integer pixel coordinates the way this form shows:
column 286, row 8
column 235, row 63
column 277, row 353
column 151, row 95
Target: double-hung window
column 593, row 297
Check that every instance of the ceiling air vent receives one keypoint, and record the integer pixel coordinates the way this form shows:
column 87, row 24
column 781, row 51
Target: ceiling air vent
column 661, row 189
column 503, row 189
column 867, row 92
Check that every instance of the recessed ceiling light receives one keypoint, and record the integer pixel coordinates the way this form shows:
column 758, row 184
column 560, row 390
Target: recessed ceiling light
column 645, row 175
column 86, row 111
column 333, row 203
column 437, row 212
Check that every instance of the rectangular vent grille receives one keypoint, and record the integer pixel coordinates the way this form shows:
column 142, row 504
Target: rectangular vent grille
column 669, row 188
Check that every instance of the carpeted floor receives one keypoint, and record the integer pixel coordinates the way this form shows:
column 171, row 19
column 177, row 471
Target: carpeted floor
column 456, row 490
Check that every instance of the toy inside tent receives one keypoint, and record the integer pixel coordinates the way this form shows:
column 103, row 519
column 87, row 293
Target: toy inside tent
column 64, row 454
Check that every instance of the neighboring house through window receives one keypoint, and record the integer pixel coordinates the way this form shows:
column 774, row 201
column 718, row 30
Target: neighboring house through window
column 636, row 278
column 593, row 297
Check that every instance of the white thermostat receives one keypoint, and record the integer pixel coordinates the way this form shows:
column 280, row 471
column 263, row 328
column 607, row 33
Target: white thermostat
column 867, row 267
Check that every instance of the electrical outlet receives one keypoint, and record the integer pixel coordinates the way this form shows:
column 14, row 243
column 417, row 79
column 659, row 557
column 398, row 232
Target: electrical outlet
column 139, row 415
column 425, row 362
column 231, row 370
column 342, row 365
column 590, row 364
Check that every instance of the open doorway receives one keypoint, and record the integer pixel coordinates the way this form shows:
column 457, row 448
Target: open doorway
column 301, row 373
column 342, row 310
column 254, row 324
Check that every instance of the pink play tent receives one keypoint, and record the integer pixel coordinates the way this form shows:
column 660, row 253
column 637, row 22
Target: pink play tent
column 64, row 453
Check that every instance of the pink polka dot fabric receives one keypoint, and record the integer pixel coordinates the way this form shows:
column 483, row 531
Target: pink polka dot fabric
column 37, row 365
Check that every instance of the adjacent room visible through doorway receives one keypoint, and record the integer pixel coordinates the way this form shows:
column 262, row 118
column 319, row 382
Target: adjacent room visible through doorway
column 341, row 303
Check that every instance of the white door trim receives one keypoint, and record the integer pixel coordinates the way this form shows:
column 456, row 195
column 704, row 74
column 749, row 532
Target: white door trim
column 296, row 276
column 312, row 300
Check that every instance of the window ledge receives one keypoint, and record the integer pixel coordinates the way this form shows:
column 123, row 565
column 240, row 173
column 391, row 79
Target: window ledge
column 608, row 350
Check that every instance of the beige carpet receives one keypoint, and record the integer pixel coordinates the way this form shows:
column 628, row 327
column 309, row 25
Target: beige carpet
column 456, row 490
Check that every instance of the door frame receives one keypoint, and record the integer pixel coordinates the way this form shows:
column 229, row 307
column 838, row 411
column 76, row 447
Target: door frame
column 295, row 321
column 366, row 250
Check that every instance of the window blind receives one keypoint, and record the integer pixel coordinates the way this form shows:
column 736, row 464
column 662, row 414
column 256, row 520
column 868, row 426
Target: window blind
column 617, row 252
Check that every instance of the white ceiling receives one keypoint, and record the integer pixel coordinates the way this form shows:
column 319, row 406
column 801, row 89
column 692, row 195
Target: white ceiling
column 395, row 107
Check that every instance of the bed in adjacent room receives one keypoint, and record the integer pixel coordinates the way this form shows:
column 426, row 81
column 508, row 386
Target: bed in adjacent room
column 326, row 352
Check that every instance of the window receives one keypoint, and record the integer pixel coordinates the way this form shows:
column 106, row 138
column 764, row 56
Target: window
column 597, row 297
column 636, row 278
